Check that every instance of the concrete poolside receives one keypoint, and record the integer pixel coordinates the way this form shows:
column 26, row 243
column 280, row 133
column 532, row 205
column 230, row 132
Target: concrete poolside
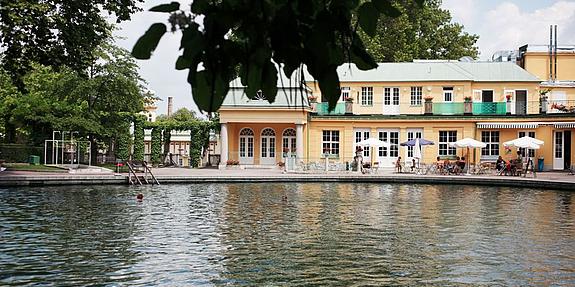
column 549, row 180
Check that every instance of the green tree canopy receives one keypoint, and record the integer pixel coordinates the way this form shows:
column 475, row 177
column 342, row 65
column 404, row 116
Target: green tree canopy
column 56, row 32
column 181, row 115
column 100, row 106
column 419, row 33
column 267, row 36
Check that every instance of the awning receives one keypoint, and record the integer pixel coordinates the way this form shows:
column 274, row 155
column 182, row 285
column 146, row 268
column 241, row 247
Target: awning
column 565, row 125
column 528, row 125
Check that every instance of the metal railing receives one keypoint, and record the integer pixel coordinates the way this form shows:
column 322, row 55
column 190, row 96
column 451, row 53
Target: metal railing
column 478, row 108
column 495, row 108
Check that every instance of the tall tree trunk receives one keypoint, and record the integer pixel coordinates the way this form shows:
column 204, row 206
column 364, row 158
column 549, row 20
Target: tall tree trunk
column 93, row 149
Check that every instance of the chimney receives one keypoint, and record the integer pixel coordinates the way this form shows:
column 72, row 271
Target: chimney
column 555, row 52
column 170, row 106
column 550, row 53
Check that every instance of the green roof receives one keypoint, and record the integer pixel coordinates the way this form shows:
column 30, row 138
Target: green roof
column 436, row 71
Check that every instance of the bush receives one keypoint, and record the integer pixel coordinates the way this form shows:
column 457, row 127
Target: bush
column 20, row 153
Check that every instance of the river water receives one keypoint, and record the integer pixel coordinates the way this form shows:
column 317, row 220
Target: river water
column 286, row 235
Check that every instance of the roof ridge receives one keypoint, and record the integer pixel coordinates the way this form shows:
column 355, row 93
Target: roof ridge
column 468, row 74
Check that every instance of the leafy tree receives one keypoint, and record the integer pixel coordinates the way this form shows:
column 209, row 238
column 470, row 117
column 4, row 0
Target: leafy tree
column 267, row 36
column 8, row 97
column 100, row 106
column 56, row 32
column 181, row 115
column 419, row 33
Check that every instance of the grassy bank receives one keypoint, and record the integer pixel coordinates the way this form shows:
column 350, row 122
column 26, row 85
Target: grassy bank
column 28, row 167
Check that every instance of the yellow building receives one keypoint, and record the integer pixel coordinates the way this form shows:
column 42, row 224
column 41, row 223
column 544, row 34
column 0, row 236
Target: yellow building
column 441, row 101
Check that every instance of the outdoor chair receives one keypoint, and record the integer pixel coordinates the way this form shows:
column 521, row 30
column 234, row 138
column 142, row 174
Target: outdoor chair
column 519, row 169
column 375, row 167
column 484, row 168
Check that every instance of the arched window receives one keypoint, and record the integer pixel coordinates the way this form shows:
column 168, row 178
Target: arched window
column 246, row 146
column 268, row 151
column 246, row 132
column 289, row 141
column 268, row 132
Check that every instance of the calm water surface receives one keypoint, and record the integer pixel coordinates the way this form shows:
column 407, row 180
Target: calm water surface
column 323, row 234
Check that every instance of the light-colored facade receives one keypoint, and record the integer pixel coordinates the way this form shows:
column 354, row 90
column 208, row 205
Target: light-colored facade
column 442, row 101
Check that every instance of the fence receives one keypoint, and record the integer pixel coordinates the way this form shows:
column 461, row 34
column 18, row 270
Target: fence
column 66, row 152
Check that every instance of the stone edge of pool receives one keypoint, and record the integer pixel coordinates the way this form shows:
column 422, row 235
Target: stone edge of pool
column 55, row 180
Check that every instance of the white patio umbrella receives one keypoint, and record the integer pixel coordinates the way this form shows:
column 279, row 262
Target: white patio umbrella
column 468, row 143
column 373, row 142
column 417, row 149
column 524, row 142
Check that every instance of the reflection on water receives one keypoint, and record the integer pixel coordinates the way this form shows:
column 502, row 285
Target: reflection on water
column 286, row 234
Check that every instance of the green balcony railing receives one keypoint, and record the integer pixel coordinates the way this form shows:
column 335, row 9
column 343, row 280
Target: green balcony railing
column 447, row 108
column 489, row 108
column 322, row 109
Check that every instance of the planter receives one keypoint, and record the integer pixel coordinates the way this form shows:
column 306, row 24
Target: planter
column 348, row 108
column 428, row 107
column 467, row 108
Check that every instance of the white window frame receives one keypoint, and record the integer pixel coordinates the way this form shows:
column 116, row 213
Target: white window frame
column 330, row 139
column 416, row 95
column 289, row 140
column 359, row 135
column 367, row 96
column 527, row 152
column 448, row 92
column 491, row 151
column 443, row 148
column 391, row 96
column 345, row 93
column 413, row 134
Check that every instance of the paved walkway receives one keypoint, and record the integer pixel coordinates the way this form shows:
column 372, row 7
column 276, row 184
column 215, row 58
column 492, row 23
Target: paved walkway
column 558, row 180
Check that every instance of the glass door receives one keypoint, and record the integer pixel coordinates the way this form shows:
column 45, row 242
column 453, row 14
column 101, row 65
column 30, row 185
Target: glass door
column 391, row 101
column 558, row 152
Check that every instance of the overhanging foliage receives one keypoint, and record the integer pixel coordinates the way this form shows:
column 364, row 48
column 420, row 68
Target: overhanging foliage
column 252, row 39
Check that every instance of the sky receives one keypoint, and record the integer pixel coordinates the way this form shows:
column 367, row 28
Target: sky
column 501, row 25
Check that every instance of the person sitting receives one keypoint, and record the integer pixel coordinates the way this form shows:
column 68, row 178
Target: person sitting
column 461, row 164
column 499, row 165
column 413, row 166
column 447, row 167
column 398, row 167
column 519, row 160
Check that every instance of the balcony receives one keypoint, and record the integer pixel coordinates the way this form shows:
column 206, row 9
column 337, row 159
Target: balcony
column 496, row 108
column 322, row 109
column 448, row 108
column 489, row 108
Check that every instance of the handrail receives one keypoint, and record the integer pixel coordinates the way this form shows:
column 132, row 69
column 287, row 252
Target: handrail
column 130, row 172
column 148, row 169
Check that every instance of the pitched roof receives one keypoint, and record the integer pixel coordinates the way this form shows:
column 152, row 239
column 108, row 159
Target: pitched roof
column 292, row 93
column 432, row 71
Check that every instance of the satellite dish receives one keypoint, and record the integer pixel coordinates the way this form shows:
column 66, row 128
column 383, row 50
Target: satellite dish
column 466, row 59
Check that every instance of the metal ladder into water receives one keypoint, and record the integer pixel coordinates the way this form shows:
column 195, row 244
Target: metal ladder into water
column 134, row 178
